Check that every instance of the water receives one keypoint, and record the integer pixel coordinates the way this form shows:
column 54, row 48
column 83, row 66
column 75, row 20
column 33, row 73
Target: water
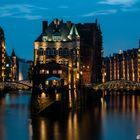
column 116, row 117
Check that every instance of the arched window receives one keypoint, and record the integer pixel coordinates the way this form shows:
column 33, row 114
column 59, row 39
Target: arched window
column 48, row 52
column 60, row 51
column 40, row 51
column 53, row 51
column 65, row 51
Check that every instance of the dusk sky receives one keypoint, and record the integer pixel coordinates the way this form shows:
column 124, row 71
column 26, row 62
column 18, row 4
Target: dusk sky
column 22, row 21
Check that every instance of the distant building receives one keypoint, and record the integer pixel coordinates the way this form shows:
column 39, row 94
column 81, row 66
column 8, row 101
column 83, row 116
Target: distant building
column 11, row 67
column 58, row 45
column 91, row 52
column 16, row 69
column 2, row 55
column 123, row 66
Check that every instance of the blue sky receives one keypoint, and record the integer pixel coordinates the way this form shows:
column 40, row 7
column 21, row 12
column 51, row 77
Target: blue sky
column 22, row 21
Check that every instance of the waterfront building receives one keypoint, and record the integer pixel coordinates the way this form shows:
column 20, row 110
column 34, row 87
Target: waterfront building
column 123, row 66
column 91, row 52
column 58, row 46
column 75, row 47
column 2, row 55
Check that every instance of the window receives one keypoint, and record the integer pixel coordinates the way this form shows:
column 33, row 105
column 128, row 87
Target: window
column 65, row 51
column 40, row 51
column 47, row 51
column 53, row 52
column 59, row 71
column 54, row 71
column 60, row 51
column 41, row 72
column 46, row 71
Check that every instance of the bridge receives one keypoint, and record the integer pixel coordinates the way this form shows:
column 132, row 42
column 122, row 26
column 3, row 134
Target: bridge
column 16, row 85
column 118, row 85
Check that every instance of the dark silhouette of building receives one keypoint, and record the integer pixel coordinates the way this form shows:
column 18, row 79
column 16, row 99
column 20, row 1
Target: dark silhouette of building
column 91, row 52
column 123, row 66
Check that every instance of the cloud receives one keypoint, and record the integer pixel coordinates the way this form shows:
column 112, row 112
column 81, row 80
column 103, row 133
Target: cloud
column 101, row 12
column 16, row 7
column 29, row 17
column 25, row 11
column 130, row 9
column 127, row 3
column 63, row 7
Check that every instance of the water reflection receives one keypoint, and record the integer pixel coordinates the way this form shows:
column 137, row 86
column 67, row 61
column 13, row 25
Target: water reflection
column 117, row 116
column 72, row 126
column 121, row 116
column 14, row 114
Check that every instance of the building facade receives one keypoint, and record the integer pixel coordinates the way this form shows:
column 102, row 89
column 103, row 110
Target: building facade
column 91, row 52
column 123, row 66
column 2, row 55
column 58, row 45
column 78, row 47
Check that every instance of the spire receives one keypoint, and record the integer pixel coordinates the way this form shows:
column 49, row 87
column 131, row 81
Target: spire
column 73, row 32
column 13, row 53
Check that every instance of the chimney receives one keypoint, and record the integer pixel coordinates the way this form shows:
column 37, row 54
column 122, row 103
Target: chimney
column 44, row 25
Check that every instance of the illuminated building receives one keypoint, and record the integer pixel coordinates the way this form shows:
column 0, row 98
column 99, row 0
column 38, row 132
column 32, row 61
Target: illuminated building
column 16, row 69
column 123, row 66
column 91, row 52
column 2, row 55
column 58, row 46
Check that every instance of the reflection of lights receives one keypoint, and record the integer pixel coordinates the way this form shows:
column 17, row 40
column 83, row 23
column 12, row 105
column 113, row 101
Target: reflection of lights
column 58, row 97
column 43, row 130
column 30, row 129
column 104, row 106
column 7, row 99
column 70, row 99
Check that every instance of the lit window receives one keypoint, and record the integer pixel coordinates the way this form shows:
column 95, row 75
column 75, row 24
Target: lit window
column 59, row 71
column 47, row 72
column 54, row 71
column 41, row 71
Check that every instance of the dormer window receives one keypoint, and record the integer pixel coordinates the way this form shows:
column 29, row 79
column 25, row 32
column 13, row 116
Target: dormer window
column 56, row 38
column 44, row 38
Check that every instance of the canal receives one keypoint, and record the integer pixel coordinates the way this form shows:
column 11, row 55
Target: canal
column 115, row 117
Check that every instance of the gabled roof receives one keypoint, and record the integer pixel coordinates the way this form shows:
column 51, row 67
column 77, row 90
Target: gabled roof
column 60, row 29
